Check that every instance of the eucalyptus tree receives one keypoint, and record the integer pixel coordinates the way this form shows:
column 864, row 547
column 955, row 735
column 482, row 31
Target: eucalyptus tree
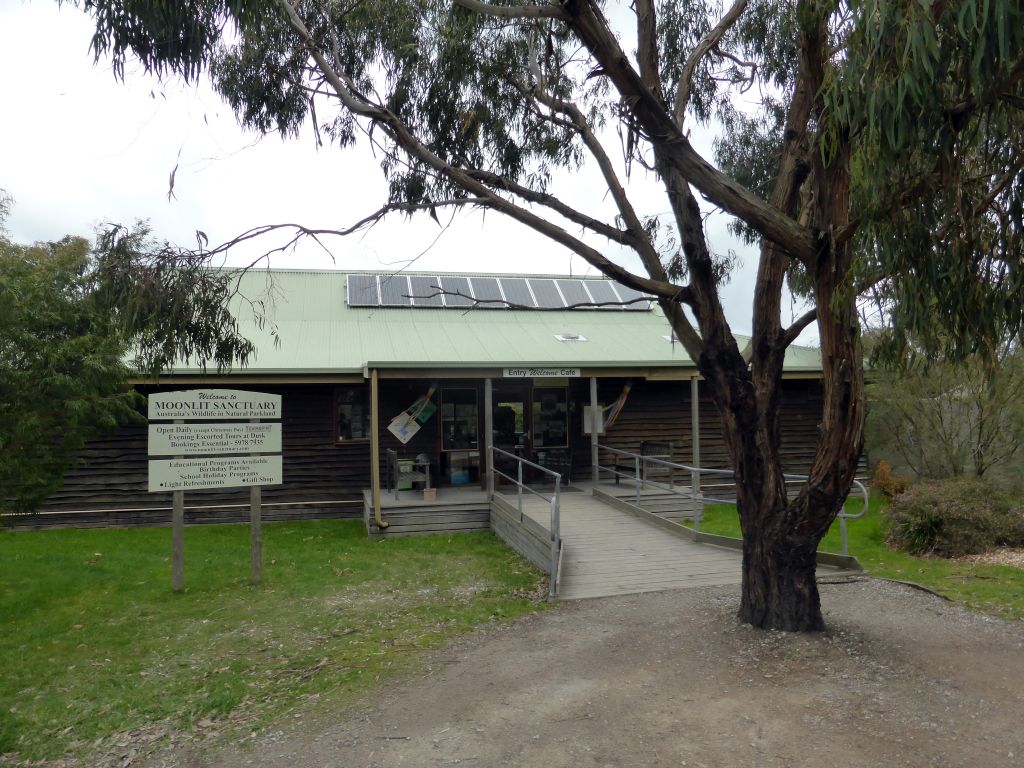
column 71, row 316
column 883, row 148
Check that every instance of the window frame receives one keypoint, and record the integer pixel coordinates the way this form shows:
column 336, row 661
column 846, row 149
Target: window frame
column 353, row 391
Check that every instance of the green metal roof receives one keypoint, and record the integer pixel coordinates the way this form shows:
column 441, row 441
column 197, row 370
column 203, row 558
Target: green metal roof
column 318, row 333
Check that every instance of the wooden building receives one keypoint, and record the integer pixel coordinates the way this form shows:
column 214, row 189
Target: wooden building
column 420, row 357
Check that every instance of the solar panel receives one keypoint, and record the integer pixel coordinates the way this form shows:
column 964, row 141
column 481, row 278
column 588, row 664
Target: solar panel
column 394, row 291
column 516, row 291
column 464, row 291
column 602, row 291
column 629, row 294
column 457, row 285
column 362, row 291
column 574, row 292
column 546, row 294
column 486, row 290
column 426, row 291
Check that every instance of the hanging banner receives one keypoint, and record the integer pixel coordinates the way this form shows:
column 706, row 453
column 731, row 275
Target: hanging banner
column 618, row 406
column 404, row 427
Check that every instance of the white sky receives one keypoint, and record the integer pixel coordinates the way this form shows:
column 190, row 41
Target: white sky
column 80, row 148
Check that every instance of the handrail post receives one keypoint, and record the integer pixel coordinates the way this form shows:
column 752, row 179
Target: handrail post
column 555, row 535
column 697, row 496
column 595, row 428
column 636, row 478
column 519, row 488
column 490, row 472
column 842, row 533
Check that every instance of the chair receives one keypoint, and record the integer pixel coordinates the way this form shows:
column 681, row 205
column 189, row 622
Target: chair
column 655, row 449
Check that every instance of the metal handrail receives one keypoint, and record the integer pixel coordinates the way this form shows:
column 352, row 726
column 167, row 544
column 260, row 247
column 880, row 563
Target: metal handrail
column 554, row 502
column 641, row 480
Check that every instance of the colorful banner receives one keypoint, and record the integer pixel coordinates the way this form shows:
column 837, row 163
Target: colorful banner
column 617, row 407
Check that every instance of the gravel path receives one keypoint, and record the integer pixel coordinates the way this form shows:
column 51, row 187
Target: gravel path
column 901, row 678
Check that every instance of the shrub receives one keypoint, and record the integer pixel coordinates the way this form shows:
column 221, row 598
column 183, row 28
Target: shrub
column 951, row 518
column 888, row 484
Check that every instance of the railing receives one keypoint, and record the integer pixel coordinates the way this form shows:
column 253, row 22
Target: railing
column 641, row 479
column 553, row 500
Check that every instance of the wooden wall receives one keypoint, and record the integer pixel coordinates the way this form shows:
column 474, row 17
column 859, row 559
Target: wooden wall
column 326, row 478
column 321, row 477
column 660, row 411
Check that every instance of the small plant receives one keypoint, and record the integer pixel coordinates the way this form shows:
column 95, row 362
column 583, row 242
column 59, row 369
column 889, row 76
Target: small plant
column 952, row 518
column 888, row 484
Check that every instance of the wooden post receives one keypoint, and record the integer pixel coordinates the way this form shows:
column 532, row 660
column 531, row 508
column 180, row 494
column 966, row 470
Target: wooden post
column 178, row 541
column 489, row 435
column 595, row 426
column 375, row 449
column 255, row 531
column 255, row 534
column 178, row 536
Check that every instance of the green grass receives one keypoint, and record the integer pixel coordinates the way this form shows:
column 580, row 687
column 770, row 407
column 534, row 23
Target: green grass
column 95, row 644
column 992, row 589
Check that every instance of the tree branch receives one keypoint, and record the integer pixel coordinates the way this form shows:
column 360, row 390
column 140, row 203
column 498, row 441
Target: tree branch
column 514, row 11
column 659, row 127
column 647, row 45
column 512, row 305
column 702, row 49
column 798, row 326
column 550, row 201
column 404, row 138
column 641, row 239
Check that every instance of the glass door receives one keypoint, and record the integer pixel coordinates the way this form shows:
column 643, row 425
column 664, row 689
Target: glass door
column 460, row 448
column 511, row 419
column 550, row 427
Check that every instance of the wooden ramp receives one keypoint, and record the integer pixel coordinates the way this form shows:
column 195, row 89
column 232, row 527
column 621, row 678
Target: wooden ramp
column 609, row 552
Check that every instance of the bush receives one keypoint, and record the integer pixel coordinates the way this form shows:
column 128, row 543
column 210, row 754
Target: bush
column 888, row 484
column 952, row 518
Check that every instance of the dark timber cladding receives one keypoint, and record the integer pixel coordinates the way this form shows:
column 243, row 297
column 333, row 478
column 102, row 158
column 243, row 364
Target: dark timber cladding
column 325, row 477
column 433, row 342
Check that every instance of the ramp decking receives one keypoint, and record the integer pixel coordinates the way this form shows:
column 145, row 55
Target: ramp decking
column 609, row 552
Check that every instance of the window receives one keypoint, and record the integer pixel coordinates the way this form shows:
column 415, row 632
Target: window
column 550, row 417
column 351, row 414
column 458, row 419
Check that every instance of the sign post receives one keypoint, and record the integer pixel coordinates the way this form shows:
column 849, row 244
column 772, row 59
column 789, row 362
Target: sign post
column 255, row 533
column 230, row 455
column 178, row 538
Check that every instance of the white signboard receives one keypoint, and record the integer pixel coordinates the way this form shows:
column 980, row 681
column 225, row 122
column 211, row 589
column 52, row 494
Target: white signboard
column 213, row 405
column 204, row 439
column 542, row 373
column 213, row 472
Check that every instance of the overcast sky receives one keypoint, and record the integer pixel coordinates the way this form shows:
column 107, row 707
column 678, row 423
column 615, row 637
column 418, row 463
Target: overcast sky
column 80, row 148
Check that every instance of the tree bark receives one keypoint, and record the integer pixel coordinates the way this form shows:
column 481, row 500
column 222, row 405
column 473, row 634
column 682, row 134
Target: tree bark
column 779, row 589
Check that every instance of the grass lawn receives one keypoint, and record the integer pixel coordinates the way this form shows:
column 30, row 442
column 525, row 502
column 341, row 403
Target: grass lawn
column 993, row 589
column 95, row 644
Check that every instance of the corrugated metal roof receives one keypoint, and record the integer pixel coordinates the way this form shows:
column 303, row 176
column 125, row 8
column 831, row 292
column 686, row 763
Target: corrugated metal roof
column 310, row 329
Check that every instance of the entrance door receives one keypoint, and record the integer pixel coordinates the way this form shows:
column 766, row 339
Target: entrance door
column 549, row 428
column 511, row 419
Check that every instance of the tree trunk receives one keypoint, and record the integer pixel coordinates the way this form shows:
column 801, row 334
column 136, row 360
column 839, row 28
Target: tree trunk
column 779, row 589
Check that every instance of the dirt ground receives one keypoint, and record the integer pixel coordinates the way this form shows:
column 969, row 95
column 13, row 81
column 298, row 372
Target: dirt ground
column 901, row 678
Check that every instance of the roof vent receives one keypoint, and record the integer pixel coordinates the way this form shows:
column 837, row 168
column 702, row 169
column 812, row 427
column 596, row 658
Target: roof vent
column 567, row 336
